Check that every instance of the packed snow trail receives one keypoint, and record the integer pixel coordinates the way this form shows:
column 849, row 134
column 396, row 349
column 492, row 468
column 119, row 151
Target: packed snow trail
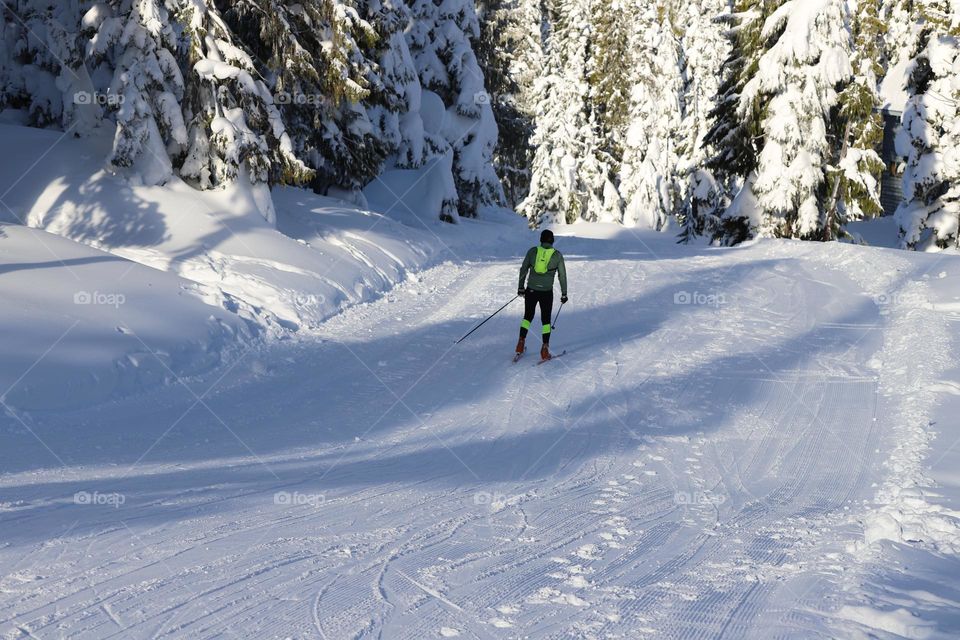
column 694, row 467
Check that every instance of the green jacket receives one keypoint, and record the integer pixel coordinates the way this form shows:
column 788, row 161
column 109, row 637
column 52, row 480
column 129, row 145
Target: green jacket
column 543, row 281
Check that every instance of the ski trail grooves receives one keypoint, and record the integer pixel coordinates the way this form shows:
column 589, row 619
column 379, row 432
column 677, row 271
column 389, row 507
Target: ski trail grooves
column 685, row 471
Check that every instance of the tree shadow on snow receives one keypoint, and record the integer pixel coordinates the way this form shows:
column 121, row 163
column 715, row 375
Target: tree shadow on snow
column 336, row 397
column 78, row 213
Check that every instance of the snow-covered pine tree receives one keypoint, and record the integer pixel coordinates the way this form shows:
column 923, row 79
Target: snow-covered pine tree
column 394, row 103
column 314, row 54
column 8, row 38
column 234, row 128
column 901, row 31
column 597, row 175
column 42, row 64
column 609, row 77
column 30, row 81
column 191, row 91
column 735, row 134
column 855, row 180
column 806, row 59
column 425, row 48
column 441, row 41
column 649, row 180
column 138, row 42
column 82, row 111
column 510, row 53
column 563, row 135
column 929, row 139
column 705, row 47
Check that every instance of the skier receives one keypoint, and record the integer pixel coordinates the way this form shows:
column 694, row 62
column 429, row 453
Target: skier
column 542, row 262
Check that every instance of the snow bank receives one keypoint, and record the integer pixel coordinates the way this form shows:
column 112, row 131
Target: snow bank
column 80, row 325
column 322, row 255
column 907, row 513
column 282, row 280
column 414, row 196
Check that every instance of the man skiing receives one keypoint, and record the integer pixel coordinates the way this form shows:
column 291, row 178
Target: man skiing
column 542, row 262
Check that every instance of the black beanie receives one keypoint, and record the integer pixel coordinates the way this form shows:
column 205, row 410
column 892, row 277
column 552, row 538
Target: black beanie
column 546, row 236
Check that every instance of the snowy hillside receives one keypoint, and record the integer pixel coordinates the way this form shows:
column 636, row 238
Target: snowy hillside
column 263, row 282
column 259, row 302
column 80, row 325
column 739, row 443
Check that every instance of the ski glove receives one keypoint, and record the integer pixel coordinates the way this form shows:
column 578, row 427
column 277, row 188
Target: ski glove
column 563, row 299
column 522, row 293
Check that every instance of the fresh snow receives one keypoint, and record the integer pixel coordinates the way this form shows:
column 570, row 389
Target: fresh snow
column 230, row 407
column 741, row 443
column 322, row 256
column 111, row 325
column 893, row 88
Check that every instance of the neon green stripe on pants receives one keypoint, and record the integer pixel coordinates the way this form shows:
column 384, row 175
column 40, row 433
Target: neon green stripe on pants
column 525, row 324
column 546, row 329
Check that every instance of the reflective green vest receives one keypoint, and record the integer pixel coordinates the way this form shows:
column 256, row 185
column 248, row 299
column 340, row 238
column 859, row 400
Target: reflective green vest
column 543, row 259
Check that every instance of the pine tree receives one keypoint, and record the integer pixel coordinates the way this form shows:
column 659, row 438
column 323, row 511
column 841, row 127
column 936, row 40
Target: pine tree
column 609, row 81
column 901, row 33
column 140, row 45
column 234, row 129
column 8, row 38
column 441, row 42
column 220, row 91
column 394, row 103
column 855, row 181
column 735, row 134
column 510, row 53
column 705, row 47
column 929, row 217
column 796, row 79
column 315, row 55
column 42, row 64
column 563, row 133
column 793, row 90
column 649, row 176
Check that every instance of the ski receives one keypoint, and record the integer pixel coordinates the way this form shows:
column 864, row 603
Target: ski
column 517, row 357
column 554, row 357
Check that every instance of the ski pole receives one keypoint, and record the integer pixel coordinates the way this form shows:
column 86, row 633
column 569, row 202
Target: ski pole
column 485, row 321
column 553, row 326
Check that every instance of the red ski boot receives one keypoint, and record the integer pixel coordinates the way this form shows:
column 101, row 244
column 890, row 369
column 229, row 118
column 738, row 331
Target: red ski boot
column 520, row 346
column 545, row 353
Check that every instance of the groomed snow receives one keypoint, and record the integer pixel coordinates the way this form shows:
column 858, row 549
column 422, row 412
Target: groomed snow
column 740, row 443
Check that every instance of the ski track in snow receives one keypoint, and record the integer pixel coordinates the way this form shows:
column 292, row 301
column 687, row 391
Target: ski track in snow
column 686, row 471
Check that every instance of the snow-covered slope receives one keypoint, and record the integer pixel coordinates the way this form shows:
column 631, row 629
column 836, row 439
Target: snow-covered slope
column 324, row 254
column 115, row 239
column 79, row 325
column 736, row 445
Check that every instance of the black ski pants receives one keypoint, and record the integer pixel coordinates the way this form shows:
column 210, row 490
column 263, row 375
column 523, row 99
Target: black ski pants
column 530, row 301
